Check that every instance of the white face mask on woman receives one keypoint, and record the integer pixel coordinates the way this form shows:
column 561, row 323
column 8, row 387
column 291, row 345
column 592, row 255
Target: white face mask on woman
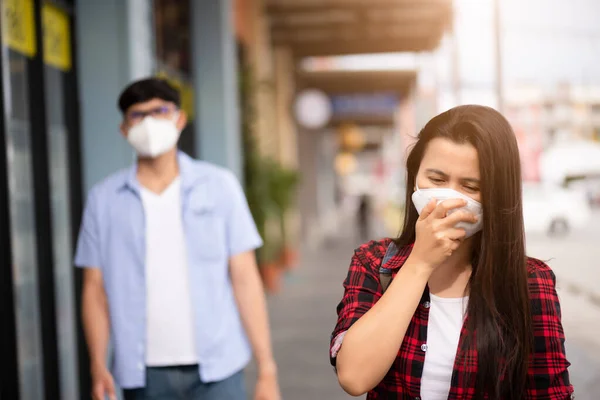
column 422, row 197
column 153, row 137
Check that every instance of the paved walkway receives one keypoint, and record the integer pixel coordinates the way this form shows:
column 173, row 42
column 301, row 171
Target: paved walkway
column 303, row 315
column 302, row 318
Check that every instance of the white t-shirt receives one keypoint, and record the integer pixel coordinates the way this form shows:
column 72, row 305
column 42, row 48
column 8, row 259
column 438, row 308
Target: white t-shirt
column 446, row 316
column 170, row 333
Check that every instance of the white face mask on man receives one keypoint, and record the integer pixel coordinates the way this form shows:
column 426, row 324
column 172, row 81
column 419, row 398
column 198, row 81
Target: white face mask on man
column 153, row 137
column 422, row 197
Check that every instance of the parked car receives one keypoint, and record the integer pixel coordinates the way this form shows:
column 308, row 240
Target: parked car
column 554, row 210
column 591, row 186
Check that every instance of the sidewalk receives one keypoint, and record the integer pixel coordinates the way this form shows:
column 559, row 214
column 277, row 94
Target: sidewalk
column 303, row 316
column 302, row 319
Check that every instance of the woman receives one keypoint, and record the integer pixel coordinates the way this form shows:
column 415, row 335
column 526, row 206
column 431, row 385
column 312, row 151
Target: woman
column 466, row 314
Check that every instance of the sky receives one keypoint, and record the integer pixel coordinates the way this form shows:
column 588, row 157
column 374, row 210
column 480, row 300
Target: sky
column 543, row 41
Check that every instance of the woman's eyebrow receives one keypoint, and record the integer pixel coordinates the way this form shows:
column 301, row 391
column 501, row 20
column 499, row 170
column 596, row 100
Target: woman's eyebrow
column 436, row 171
column 470, row 180
column 445, row 175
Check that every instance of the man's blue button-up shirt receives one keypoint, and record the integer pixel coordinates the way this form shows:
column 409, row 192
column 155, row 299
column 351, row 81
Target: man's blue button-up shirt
column 217, row 224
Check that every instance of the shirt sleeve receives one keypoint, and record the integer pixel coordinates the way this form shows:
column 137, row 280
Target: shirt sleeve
column 548, row 372
column 242, row 234
column 87, row 254
column 361, row 292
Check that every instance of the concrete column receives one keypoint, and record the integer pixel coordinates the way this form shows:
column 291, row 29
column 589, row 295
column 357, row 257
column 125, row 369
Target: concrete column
column 284, row 96
column 216, row 84
column 114, row 46
column 287, row 135
column 261, row 59
column 308, row 159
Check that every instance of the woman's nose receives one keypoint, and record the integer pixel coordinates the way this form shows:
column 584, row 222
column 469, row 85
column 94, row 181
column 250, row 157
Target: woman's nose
column 455, row 186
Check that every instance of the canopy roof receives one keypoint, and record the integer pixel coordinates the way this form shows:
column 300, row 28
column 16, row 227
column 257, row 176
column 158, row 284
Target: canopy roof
column 337, row 27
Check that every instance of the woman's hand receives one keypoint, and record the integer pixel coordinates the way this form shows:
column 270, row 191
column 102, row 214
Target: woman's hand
column 436, row 235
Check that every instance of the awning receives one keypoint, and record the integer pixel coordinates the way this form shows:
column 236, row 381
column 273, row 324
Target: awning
column 337, row 27
column 338, row 82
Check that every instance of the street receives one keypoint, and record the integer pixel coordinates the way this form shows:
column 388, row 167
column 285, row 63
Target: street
column 303, row 315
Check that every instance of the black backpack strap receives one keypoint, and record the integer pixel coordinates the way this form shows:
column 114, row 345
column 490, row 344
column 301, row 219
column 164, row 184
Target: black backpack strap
column 385, row 274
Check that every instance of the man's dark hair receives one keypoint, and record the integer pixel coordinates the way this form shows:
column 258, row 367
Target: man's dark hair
column 145, row 90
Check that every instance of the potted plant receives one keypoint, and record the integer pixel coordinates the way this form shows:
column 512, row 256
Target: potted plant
column 283, row 183
column 264, row 210
column 257, row 179
column 271, row 271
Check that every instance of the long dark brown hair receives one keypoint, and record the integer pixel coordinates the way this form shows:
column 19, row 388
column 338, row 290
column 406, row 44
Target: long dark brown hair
column 499, row 306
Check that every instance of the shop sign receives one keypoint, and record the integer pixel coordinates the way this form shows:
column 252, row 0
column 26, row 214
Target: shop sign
column 364, row 104
column 18, row 26
column 18, row 32
column 57, row 37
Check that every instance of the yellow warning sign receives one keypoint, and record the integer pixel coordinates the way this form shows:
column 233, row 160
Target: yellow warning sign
column 18, row 26
column 57, row 37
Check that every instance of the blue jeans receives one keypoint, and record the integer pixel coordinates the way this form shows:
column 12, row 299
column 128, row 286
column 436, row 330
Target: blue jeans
column 184, row 383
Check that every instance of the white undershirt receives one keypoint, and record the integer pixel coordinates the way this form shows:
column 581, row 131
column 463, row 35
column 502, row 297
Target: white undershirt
column 446, row 316
column 170, row 333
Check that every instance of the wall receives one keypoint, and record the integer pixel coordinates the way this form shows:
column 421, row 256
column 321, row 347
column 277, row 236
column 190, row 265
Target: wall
column 215, row 71
column 113, row 48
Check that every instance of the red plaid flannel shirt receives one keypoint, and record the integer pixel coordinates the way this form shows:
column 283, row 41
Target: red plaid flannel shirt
column 548, row 374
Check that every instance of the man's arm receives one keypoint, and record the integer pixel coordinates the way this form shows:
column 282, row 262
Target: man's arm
column 242, row 240
column 95, row 316
column 249, row 294
column 94, row 307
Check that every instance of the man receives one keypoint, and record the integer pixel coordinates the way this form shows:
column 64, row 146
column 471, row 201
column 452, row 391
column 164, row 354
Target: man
column 168, row 251
column 362, row 218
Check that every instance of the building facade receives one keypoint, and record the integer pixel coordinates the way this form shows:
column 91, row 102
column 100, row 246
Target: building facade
column 63, row 64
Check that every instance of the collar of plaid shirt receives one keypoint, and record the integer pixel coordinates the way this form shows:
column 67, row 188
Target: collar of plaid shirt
column 548, row 371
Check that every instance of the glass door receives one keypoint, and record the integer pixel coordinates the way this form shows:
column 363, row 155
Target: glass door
column 57, row 66
column 21, row 203
column 38, row 103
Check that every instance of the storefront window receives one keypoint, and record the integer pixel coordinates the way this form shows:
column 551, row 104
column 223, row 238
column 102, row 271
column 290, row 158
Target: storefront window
column 23, row 225
column 61, row 232
column 22, row 52
column 58, row 63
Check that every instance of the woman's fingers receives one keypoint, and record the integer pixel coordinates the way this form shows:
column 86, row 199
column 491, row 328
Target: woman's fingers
column 428, row 209
column 441, row 210
column 456, row 217
column 456, row 234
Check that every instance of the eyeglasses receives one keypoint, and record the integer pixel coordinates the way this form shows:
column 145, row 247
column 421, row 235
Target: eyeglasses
column 162, row 112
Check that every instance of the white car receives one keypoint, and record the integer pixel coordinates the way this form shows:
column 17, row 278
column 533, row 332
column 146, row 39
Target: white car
column 554, row 210
column 591, row 186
